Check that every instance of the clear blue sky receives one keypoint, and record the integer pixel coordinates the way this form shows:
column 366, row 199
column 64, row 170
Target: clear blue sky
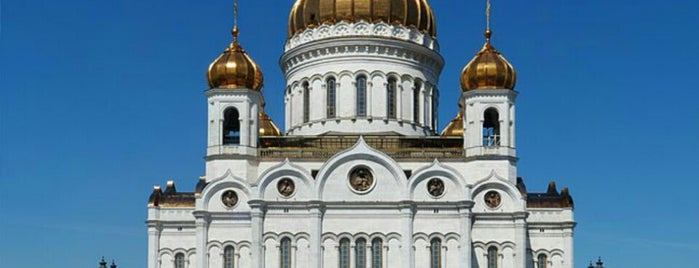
column 100, row 100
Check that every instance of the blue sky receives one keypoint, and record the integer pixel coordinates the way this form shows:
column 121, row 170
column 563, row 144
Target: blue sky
column 100, row 100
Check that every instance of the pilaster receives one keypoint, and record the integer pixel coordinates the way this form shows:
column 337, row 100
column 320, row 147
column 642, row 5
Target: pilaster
column 316, row 217
column 154, row 230
column 202, row 228
column 407, row 211
column 465, row 244
column 257, row 225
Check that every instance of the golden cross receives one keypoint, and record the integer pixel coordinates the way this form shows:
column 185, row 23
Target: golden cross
column 235, row 14
column 487, row 15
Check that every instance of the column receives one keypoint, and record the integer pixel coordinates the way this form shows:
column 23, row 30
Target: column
column 465, row 233
column 254, row 125
column 352, row 254
column 407, row 215
column 257, row 221
column 245, row 124
column 384, row 254
column 153, row 244
column 202, row 226
column 520, row 240
column 293, row 249
column 369, row 98
column 505, row 125
column 399, row 101
column 316, row 217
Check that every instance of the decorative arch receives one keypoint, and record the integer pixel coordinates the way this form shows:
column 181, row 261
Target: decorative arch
column 283, row 169
column 360, row 151
column 228, row 180
column 495, row 181
column 437, row 169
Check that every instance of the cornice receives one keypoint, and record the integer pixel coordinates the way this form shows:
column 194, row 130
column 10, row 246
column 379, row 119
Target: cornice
column 362, row 29
column 330, row 50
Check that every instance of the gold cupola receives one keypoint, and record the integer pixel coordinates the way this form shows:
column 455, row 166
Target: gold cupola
column 455, row 128
column 410, row 13
column 488, row 70
column 234, row 69
column 267, row 126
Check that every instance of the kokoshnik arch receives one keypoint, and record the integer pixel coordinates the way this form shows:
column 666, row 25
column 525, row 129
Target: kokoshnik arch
column 361, row 177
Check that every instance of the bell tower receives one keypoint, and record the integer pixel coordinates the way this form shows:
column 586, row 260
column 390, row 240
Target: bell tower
column 235, row 101
column 488, row 102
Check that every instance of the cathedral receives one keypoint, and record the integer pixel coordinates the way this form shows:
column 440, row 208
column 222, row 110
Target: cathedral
column 361, row 176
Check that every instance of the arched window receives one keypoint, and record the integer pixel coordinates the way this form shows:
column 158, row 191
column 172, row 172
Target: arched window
column 376, row 253
column 344, row 253
column 491, row 128
column 492, row 257
column 228, row 254
column 541, row 261
column 179, row 260
column 361, row 95
column 285, row 253
column 360, row 253
column 391, row 106
column 436, row 253
column 306, row 102
column 416, row 102
column 231, row 126
column 330, row 98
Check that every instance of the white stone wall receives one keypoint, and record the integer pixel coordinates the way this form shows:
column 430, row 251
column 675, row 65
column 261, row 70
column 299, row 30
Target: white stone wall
column 380, row 213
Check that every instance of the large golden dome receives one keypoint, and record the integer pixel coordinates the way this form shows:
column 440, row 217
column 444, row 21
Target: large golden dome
column 488, row 70
column 410, row 13
column 234, row 69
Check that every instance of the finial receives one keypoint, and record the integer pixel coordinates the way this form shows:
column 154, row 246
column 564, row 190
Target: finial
column 235, row 20
column 488, row 33
column 487, row 16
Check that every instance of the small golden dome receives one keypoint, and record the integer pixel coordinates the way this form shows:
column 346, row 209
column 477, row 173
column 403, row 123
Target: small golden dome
column 234, row 69
column 267, row 126
column 411, row 13
column 488, row 70
column 455, row 127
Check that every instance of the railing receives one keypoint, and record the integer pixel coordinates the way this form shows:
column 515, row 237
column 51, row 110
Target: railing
column 394, row 146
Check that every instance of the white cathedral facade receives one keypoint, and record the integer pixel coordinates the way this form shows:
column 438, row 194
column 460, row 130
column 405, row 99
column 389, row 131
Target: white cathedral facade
column 362, row 177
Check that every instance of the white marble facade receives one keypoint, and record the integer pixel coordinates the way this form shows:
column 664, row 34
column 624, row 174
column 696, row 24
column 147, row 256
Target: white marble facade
column 303, row 204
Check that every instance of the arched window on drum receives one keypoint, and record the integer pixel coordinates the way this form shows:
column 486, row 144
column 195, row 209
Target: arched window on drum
column 391, row 91
column 331, row 97
column 361, row 95
column 306, row 102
